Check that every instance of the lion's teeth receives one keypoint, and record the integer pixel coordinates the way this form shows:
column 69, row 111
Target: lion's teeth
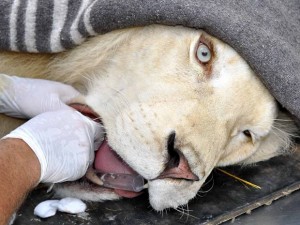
column 50, row 188
column 91, row 175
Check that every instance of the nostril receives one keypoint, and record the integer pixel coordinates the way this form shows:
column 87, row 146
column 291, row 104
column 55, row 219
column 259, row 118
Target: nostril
column 174, row 157
column 177, row 166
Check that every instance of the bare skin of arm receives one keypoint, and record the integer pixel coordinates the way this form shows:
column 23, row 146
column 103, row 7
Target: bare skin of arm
column 19, row 174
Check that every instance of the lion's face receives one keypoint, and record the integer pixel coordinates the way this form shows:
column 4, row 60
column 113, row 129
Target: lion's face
column 173, row 95
column 175, row 103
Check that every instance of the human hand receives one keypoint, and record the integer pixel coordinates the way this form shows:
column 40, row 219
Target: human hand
column 26, row 97
column 63, row 141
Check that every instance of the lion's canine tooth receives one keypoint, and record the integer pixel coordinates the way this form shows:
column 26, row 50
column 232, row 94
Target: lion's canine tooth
column 91, row 175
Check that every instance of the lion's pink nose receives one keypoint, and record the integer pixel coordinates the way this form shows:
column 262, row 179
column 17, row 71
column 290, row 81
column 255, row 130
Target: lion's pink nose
column 177, row 166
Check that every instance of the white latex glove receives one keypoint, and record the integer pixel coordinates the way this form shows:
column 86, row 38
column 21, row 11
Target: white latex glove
column 64, row 142
column 26, row 97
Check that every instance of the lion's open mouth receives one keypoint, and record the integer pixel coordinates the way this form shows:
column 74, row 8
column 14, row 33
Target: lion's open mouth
column 109, row 170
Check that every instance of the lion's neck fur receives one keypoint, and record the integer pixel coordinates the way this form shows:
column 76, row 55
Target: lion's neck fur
column 24, row 64
column 71, row 66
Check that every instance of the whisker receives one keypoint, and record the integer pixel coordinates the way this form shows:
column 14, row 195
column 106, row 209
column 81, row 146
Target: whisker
column 285, row 132
column 179, row 212
column 285, row 138
column 282, row 120
column 188, row 210
column 185, row 210
column 208, row 181
column 183, row 213
column 205, row 192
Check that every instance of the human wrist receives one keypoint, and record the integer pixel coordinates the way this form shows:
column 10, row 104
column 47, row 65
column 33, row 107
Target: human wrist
column 24, row 160
column 20, row 135
column 19, row 172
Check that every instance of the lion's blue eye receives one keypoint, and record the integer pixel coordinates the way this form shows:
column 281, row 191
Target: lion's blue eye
column 203, row 53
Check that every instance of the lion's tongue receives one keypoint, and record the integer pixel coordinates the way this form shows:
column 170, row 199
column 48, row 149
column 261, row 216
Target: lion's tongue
column 107, row 161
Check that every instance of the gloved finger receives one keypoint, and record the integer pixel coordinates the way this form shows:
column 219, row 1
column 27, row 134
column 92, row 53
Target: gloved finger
column 98, row 139
column 99, row 136
column 27, row 97
column 68, row 94
column 96, row 135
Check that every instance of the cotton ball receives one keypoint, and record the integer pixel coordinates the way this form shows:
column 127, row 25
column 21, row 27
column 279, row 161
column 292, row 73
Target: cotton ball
column 71, row 205
column 46, row 209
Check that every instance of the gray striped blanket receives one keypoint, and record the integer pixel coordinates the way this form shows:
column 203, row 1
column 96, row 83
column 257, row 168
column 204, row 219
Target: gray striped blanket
column 265, row 32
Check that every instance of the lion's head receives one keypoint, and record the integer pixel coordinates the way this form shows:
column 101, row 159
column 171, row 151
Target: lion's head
column 175, row 103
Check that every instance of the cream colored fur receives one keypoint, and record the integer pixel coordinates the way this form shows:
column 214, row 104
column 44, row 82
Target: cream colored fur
column 146, row 83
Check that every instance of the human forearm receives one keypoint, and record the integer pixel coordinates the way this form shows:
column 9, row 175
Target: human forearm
column 19, row 173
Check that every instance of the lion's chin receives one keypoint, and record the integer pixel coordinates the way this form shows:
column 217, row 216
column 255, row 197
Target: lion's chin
column 109, row 171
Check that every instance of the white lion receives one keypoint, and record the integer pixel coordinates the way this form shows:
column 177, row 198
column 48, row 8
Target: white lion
column 175, row 103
